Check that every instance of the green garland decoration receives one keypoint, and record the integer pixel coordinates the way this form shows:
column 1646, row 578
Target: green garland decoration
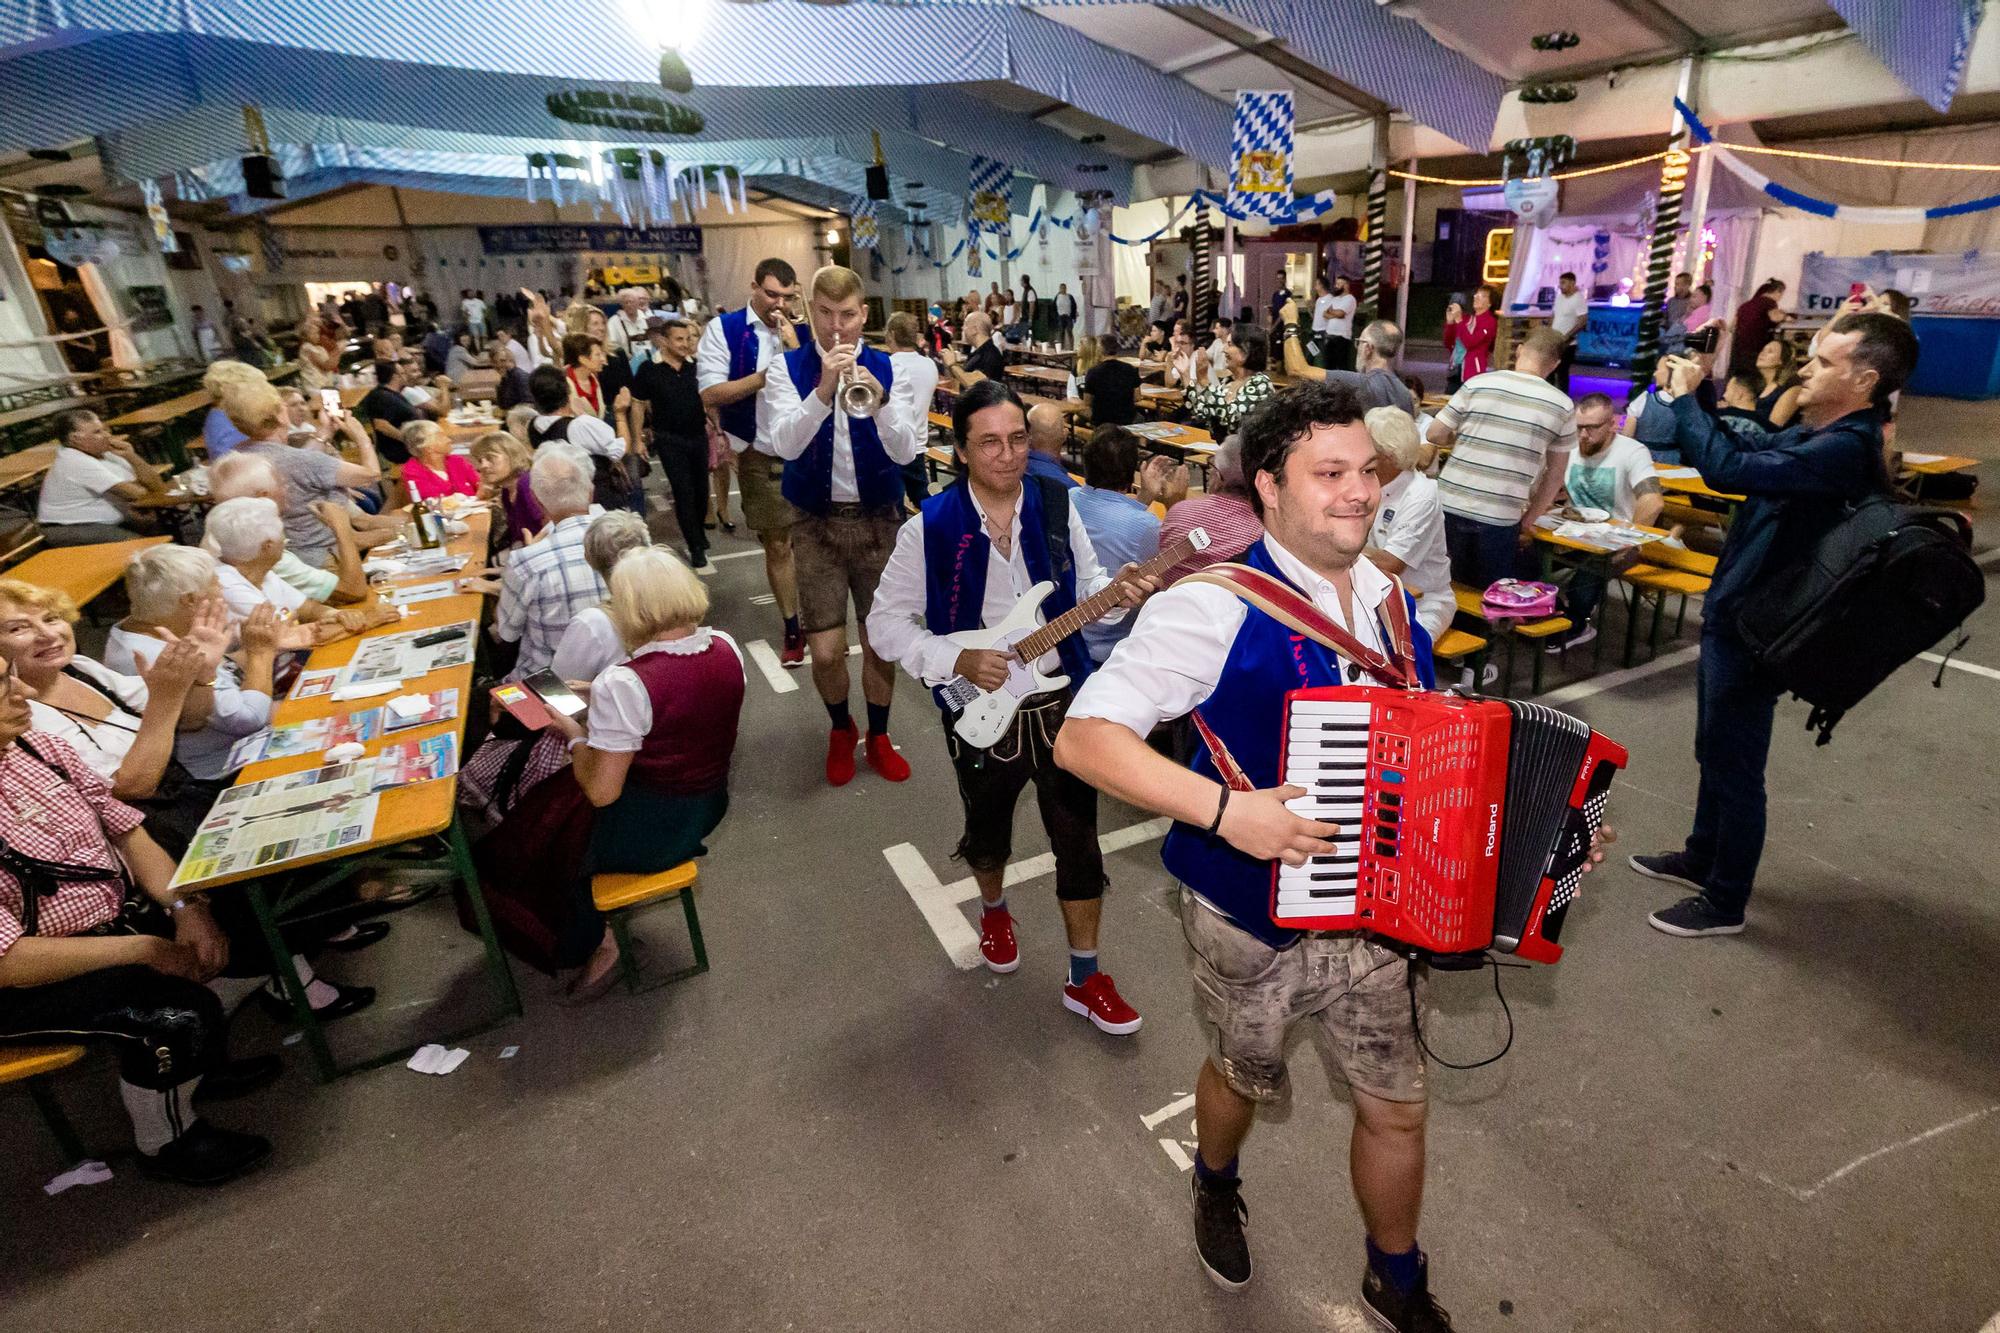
column 675, row 76
column 1547, row 94
column 634, row 112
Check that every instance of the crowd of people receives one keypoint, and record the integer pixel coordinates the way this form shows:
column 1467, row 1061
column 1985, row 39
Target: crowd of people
column 1332, row 485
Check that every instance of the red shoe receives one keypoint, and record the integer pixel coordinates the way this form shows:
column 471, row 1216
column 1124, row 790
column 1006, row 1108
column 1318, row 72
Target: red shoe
column 793, row 654
column 840, row 743
column 1098, row 1000
column 882, row 757
column 996, row 941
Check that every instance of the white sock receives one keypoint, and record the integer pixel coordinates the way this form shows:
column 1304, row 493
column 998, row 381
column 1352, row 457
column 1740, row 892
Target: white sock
column 158, row 1118
column 318, row 993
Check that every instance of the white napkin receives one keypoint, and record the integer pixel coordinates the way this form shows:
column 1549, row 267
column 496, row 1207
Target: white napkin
column 435, row 1059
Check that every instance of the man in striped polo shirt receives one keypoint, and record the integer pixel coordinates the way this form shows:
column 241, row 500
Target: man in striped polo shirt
column 1511, row 434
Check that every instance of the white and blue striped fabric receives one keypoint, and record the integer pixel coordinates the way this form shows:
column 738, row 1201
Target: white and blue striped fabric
column 865, row 224
column 1864, row 213
column 1260, row 155
column 1924, row 43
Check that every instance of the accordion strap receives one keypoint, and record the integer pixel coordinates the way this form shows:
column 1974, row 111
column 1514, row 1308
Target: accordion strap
column 1280, row 601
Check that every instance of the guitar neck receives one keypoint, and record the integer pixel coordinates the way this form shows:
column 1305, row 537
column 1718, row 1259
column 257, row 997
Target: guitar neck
column 1098, row 605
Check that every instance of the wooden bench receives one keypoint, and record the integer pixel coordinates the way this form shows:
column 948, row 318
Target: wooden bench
column 32, row 1065
column 619, row 896
column 1671, row 571
column 1470, row 604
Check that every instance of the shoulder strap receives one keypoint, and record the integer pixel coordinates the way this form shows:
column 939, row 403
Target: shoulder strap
column 1279, row 601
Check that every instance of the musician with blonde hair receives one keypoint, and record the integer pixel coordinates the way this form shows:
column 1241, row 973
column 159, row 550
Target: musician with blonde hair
column 962, row 565
column 845, row 423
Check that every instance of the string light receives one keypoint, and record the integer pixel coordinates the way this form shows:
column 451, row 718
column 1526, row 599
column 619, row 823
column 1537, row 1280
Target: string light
column 1798, row 153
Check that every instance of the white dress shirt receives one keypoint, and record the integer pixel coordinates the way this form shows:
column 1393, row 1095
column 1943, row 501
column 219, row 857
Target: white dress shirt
column 1572, row 312
column 921, row 374
column 1173, row 658
column 1410, row 526
column 1322, row 313
column 896, row 628
column 621, row 711
column 593, row 435
column 711, row 367
column 588, row 646
column 789, row 423
column 627, row 334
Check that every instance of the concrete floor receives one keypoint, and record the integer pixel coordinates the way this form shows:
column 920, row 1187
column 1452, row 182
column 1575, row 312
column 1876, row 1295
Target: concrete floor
column 837, row 1129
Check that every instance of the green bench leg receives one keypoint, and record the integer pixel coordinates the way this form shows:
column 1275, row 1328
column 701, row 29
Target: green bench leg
column 1541, row 661
column 1659, row 623
column 58, row 1123
column 694, row 930
column 1632, row 599
column 628, row 964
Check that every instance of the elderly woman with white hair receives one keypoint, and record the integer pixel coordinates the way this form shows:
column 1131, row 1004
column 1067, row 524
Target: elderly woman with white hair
column 592, row 642
column 1408, row 537
column 219, row 435
column 649, row 774
column 172, row 591
column 244, row 473
column 247, row 536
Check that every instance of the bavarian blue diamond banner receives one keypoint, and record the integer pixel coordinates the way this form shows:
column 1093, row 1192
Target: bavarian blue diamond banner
column 1260, row 159
column 866, row 225
column 990, row 190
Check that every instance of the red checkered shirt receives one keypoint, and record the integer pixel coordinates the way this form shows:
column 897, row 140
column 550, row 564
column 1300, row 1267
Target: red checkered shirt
column 1230, row 522
column 53, row 819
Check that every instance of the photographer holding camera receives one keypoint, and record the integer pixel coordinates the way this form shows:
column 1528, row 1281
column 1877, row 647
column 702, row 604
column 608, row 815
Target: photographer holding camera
column 1797, row 483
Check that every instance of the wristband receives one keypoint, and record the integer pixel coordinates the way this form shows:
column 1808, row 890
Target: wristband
column 578, row 741
column 1220, row 806
column 1288, row 331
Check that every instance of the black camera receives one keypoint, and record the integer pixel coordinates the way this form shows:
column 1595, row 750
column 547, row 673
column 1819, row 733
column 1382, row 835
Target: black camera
column 1704, row 340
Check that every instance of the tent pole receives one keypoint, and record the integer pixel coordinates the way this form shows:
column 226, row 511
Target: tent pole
column 1409, row 262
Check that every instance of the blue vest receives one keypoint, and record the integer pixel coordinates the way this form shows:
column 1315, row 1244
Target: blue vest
column 1246, row 711
column 956, row 552
column 809, row 477
column 740, row 336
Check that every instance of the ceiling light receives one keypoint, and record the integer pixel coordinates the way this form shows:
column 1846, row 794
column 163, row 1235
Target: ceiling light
column 832, row 236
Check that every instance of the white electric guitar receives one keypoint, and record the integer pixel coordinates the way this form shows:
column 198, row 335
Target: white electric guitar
column 986, row 716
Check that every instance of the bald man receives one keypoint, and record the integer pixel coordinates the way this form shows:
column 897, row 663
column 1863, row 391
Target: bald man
column 1048, row 431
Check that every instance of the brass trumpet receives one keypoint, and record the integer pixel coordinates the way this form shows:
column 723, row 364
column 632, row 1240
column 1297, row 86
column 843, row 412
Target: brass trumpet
column 854, row 395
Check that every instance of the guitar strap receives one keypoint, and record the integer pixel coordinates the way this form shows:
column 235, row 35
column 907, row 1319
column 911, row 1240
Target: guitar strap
column 1280, row 601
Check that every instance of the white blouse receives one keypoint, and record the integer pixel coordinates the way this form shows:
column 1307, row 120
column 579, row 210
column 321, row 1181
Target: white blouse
column 621, row 711
column 103, row 744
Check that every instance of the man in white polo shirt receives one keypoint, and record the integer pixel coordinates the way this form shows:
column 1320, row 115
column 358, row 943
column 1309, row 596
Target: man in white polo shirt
column 1572, row 313
column 1511, row 434
column 94, row 474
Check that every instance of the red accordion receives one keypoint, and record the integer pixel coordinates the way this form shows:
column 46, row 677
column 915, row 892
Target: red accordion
column 1465, row 823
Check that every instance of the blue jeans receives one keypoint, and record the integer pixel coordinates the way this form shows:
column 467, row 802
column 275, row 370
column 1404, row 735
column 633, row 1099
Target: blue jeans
column 1481, row 553
column 1734, row 706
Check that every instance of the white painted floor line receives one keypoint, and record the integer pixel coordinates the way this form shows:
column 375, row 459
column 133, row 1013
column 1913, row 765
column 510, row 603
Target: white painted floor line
column 940, row 902
column 1957, row 665
column 1583, row 689
column 1911, row 1142
column 735, row 555
column 1167, row 1112
column 767, row 662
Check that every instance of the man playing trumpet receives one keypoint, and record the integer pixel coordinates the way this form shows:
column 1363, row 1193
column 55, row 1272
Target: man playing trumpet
column 845, row 426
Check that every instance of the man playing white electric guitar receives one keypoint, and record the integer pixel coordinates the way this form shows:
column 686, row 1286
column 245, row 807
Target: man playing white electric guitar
column 963, row 564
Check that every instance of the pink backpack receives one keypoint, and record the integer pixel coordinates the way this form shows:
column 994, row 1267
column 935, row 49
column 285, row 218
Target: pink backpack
column 1518, row 599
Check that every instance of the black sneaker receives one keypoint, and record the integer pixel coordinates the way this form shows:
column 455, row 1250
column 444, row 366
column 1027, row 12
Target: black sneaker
column 1219, row 1215
column 1670, row 866
column 205, row 1155
column 1412, row 1311
column 1695, row 915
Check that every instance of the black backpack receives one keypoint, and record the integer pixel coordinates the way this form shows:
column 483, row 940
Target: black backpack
column 1882, row 585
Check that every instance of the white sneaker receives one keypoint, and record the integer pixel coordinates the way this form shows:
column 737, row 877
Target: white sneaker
column 1576, row 640
column 1487, row 677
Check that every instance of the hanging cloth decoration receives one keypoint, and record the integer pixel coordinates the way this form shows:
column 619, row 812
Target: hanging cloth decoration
column 156, row 213
column 865, row 225
column 989, row 191
column 1260, row 169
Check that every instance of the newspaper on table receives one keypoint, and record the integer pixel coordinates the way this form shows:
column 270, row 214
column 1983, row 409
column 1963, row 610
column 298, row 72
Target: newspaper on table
column 1154, row 430
column 312, row 684
column 405, row 762
column 1607, row 536
column 281, row 819
column 398, row 656
column 308, row 737
column 437, row 706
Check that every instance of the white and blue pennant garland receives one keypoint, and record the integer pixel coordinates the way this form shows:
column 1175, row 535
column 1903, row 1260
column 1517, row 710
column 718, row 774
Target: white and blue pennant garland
column 865, row 225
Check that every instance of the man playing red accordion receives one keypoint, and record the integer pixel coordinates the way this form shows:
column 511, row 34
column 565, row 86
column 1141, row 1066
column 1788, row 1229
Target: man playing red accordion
column 1311, row 468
